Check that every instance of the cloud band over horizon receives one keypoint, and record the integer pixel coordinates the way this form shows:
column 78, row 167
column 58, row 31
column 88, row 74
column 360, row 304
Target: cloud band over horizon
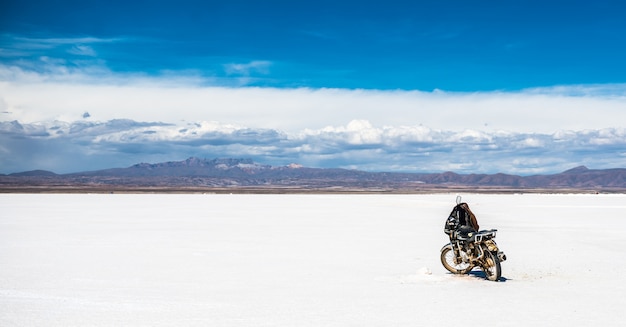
column 86, row 145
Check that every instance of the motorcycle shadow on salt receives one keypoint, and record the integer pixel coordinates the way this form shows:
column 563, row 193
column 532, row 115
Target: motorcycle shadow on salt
column 480, row 274
column 424, row 275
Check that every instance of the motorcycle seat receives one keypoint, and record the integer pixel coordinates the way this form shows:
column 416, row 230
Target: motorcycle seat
column 469, row 236
column 466, row 234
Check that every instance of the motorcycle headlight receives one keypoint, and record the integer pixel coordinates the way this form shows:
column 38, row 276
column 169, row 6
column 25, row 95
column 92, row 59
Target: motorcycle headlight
column 491, row 245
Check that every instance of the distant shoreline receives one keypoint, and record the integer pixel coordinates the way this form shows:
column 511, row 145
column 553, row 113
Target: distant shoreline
column 84, row 189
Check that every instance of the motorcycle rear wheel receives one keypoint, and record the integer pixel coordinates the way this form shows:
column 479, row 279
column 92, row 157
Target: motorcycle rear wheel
column 448, row 261
column 491, row 266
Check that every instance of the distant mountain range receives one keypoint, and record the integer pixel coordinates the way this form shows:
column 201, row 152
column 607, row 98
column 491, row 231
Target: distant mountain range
column 244, row 174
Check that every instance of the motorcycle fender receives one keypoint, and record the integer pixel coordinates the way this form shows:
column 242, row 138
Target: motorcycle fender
column 449, row 245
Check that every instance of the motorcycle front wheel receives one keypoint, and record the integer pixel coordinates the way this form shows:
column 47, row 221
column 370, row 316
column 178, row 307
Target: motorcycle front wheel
column 452, row 264
column 491, row 266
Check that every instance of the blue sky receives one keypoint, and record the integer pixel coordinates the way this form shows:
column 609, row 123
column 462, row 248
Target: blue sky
column 472, row 86
column 423, row 45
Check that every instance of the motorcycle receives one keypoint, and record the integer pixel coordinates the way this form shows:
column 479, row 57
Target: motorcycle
column 469, row 250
